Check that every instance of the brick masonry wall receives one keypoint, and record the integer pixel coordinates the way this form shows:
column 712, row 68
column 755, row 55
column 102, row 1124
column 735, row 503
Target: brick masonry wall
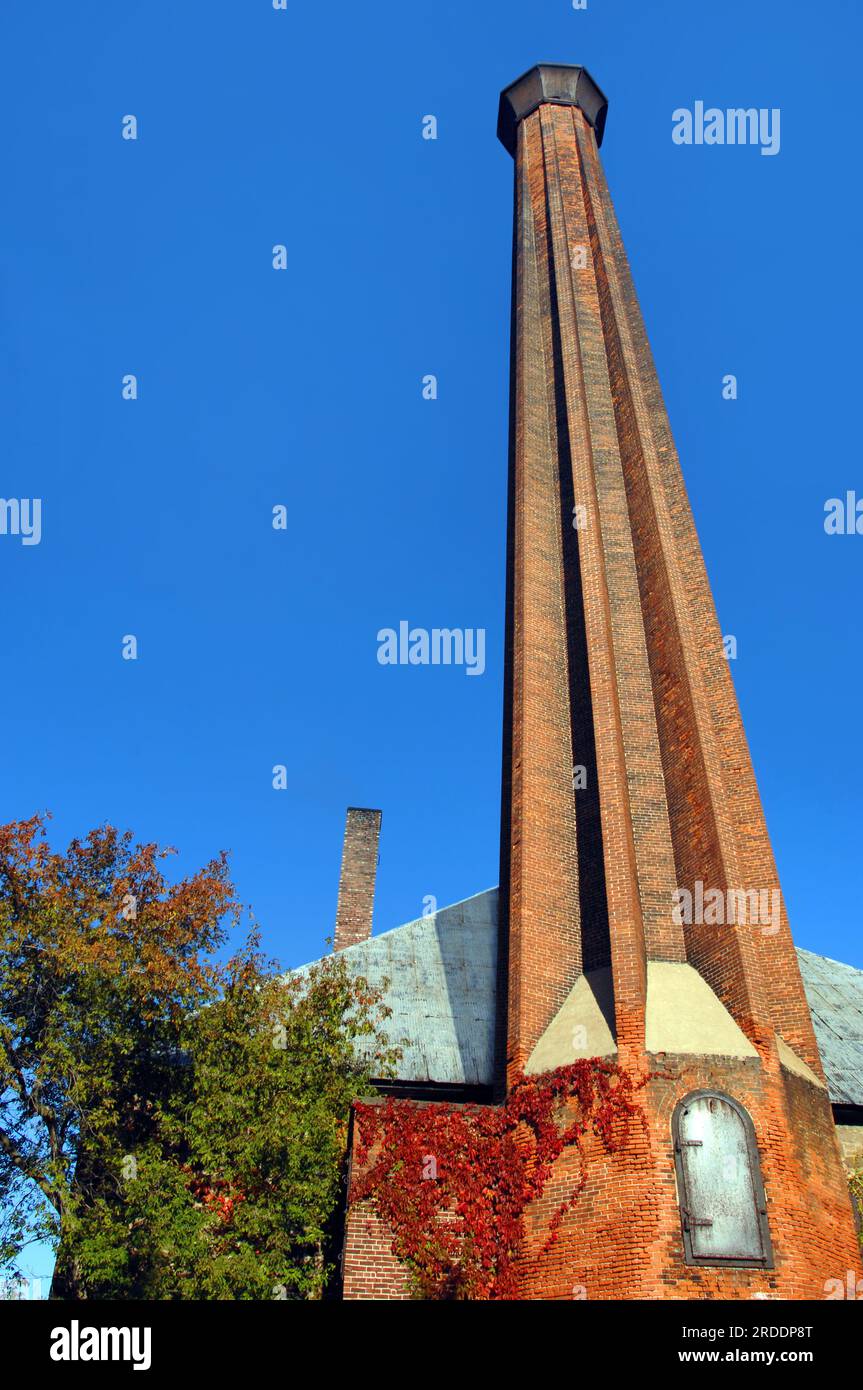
column 369, row 1268
column 357, row 880
column 623, row 1239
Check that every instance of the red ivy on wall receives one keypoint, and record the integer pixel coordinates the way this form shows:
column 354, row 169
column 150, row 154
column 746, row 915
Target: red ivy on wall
column 452, row 1183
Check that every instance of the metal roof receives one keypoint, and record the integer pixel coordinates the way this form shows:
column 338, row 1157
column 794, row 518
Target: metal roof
column 442, row 990
column 835, row 994
column 442, row 972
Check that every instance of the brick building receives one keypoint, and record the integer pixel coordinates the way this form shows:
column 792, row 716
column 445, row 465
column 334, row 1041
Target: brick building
column 639, row 916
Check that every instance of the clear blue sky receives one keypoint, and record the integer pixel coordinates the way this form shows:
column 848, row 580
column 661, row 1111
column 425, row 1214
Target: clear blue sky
column 258, row 647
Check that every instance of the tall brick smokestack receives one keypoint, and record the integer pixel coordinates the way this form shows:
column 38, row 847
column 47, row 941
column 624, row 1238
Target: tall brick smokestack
column 357, row 879
column 627, row 784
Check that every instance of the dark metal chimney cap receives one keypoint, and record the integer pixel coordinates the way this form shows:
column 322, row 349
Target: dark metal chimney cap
column 559, row 84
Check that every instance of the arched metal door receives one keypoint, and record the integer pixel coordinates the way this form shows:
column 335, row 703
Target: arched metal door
column 722, row 1203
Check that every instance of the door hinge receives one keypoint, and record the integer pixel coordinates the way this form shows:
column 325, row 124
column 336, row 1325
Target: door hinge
column 693, row 1221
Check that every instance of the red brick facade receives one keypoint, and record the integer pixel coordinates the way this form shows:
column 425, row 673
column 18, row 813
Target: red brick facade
column 371, row 1270
column 615, row 665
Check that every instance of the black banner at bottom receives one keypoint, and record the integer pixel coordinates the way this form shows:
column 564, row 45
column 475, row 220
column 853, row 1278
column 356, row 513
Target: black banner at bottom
column 84, row 1341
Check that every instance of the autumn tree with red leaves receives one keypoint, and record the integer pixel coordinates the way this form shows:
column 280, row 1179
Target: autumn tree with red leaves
column 174, row 1124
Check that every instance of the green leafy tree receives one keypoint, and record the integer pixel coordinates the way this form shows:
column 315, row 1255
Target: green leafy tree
column 176, row 1126
column 257, row 1135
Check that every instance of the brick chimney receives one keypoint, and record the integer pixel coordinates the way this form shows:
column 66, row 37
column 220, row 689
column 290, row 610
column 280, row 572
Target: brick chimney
column 627, row 782
column 357, row 880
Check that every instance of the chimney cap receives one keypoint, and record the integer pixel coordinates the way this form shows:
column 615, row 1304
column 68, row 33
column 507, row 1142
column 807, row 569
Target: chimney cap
column 558, row 84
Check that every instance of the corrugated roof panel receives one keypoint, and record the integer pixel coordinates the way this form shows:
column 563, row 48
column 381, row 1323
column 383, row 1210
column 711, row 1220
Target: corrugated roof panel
column 835, row 994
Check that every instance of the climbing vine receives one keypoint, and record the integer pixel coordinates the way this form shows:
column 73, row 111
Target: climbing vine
column 855, row 1183
column 453, row 1183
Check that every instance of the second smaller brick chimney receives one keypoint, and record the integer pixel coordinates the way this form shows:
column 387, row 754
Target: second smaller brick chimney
column 357, row 880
